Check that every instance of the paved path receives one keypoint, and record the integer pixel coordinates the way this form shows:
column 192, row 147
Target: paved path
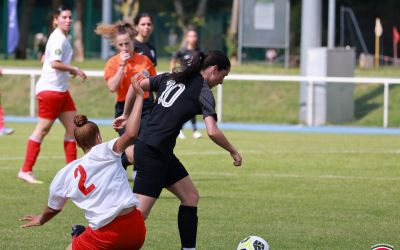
column 260, row 127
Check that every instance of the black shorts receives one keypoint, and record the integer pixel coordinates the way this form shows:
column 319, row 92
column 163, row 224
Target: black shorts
column 155, row 171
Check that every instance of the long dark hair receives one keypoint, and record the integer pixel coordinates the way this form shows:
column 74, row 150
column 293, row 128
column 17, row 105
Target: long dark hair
column 200, row 61
column 136, row 20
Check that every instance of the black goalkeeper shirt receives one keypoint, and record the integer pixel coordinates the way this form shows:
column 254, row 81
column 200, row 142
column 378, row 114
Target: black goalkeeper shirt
column 146, row 49
column 176, row 104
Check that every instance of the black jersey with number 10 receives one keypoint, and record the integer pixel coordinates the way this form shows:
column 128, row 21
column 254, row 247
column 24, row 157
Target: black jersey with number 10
column 176, row 104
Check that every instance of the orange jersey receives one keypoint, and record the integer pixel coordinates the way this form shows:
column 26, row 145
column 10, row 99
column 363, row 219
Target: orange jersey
column 136, row 64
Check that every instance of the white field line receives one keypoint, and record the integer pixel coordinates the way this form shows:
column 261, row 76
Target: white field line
column 245, row 152
column 295, row 176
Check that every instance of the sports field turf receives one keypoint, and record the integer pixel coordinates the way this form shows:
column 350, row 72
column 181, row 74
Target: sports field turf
column 298, row 191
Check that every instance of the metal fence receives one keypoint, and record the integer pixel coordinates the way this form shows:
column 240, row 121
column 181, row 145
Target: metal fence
column 310, row 80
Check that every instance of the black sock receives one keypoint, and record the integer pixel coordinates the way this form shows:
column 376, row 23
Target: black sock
column 194, row 124
column 187, row 224
column 124, row 160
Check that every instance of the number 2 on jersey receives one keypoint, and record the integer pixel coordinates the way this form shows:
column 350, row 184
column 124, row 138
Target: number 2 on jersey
column 81, row 185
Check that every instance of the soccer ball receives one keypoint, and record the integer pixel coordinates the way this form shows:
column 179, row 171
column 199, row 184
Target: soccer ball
column 253, row 243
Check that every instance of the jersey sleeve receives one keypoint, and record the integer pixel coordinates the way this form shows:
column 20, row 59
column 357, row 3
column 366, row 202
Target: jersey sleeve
column 110, row 145
column 150, row 67
column 156, row 81
column 55, row 49
column 110, row 69
column 207, row 103
column 57, row 198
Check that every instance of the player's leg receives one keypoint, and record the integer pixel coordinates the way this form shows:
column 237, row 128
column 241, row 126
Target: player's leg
column 66, row 116
column 187, row 214
column 42, row 128
column 196, row 133
column 67, row 120
column 69, row 247
column 151, row 172
column 146, row 204
column 180, row 184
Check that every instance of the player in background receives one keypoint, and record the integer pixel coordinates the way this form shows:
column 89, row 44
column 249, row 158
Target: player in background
column 180, row 96
column 3, row 129
column 122, row 67
column 97, row 184
column 143, row 23
column 54, row 100
column 183, row 56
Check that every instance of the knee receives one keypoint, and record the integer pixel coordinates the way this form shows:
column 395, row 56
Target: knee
column 191, row 199
column 43, row 132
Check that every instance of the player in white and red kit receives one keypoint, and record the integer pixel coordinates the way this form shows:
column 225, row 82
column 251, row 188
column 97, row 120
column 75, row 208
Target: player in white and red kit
column 54, row 100
column 98, row 184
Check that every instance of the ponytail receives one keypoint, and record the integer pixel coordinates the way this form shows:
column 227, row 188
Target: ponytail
column 199, row 62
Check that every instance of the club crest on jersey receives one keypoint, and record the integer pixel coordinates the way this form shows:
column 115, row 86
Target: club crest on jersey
column 171, row 93
column 382, row 247
column 57, row 52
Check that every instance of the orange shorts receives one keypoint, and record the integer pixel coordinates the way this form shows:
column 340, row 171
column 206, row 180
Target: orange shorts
column 124, row 232
column 52, row 103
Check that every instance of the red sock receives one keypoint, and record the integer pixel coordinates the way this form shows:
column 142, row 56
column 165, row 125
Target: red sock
column 1, row 117
column 70, row 151
column 32, row 152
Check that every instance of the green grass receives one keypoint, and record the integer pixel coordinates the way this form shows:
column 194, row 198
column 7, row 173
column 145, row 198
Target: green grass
column 243, row 101
column 298, row 191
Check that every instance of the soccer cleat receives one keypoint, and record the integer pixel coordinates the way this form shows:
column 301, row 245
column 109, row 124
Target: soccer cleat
column 6, row 131
column 77, row 230
column 181, row 135
column 28, row 177
column 196, row 134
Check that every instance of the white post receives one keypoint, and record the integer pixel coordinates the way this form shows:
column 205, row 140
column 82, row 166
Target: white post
column 385, row 104
column 219, row 103
column 310, row 104
column 32, row 97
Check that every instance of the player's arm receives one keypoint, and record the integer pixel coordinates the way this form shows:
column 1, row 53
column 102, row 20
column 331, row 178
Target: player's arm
column 114, row 82
column 75, row 71
column 133, row 123
column 119, row 122
column 47, row 214
column 218, row 137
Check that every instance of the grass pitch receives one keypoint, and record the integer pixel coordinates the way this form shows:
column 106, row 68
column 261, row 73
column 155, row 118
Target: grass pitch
column 297, row 191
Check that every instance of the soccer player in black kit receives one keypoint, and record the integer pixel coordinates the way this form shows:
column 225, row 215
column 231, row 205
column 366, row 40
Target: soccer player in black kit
column 180, row 95
column 144, row 27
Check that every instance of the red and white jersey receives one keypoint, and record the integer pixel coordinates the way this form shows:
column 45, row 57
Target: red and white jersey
column 97, row 183
column 58, row 48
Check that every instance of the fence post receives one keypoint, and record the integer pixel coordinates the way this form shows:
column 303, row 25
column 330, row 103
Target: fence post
column 310, row 103
column 32, row 97
column 219, row 102
column 385, row 104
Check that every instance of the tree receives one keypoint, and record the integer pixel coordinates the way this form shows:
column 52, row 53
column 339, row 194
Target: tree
column 79, row 51
column 231, row 38
column 20, row 52
column 185, row 19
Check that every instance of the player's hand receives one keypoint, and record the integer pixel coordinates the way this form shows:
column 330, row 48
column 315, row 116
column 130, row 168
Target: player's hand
column 123, row 57
column 237, row 159
column 82, row 75
column 78, row 72
column 32, row 220
column 119, row 122
column 135, row 81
